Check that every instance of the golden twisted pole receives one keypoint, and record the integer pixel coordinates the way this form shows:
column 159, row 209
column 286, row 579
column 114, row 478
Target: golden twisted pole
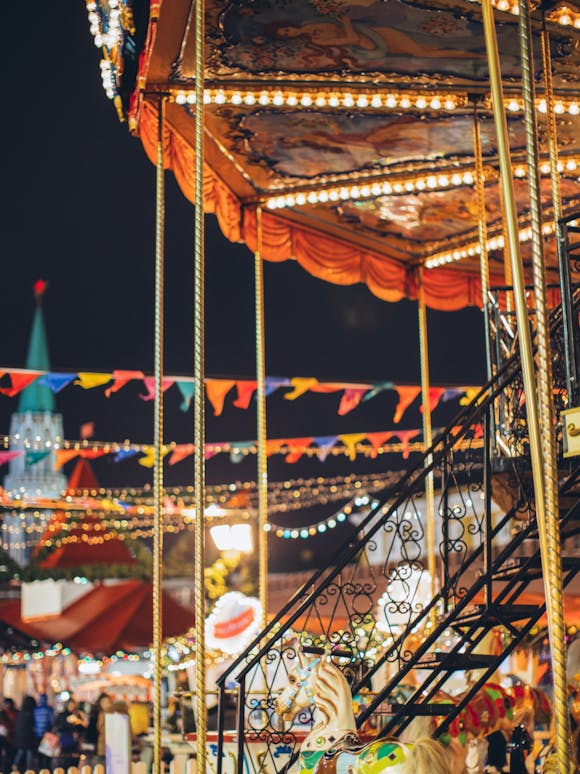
column 262, row 458
column 158, row 442
column 427, row 432
column 524, row 336
column 199, row 396
column 553, row 568
column 482, row 232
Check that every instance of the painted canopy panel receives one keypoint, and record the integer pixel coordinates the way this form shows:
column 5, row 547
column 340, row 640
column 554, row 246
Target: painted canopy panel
column 339, row 36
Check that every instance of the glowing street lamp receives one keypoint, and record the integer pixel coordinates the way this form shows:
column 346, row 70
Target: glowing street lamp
column 232, row 537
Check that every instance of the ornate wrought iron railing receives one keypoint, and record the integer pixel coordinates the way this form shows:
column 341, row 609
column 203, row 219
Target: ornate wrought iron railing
column 338, row 609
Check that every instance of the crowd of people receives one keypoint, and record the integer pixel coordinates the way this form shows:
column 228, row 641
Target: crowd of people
column 36, row 736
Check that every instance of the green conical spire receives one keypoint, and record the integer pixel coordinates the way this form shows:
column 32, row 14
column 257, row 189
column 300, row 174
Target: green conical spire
column 36, row 397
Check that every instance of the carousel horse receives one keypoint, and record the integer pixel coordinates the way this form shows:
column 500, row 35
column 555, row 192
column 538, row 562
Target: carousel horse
column 333, row 745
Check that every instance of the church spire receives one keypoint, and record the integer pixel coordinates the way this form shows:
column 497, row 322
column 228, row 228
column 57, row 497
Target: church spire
column 36, row 397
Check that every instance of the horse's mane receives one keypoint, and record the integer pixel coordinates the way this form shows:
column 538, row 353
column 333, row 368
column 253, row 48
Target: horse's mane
column 330, row 689
column 427, row 756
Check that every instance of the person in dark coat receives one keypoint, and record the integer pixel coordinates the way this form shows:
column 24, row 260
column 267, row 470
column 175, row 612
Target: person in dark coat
column 69, row 725
column 7, row 724
column 24, row 737
column 43, row 722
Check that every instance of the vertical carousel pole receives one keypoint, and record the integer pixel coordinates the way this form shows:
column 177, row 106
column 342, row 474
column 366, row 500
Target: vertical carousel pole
column 519, row 291
column 553, row 568
column 199, row 397
column 158, row 443
column 484, row 274
column 262, row 461
column 427, row 433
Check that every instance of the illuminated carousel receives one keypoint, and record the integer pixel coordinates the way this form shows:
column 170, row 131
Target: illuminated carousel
column 431, row 151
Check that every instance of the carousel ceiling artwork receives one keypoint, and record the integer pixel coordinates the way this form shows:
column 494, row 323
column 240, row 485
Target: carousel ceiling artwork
column 351, row 125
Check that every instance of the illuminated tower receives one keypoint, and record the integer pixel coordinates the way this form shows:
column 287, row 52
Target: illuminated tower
column 35, row 429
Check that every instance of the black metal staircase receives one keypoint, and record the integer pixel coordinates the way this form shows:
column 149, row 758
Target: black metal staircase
column 487, row 562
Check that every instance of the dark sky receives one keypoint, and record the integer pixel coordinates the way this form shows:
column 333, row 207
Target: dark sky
column 79, row 212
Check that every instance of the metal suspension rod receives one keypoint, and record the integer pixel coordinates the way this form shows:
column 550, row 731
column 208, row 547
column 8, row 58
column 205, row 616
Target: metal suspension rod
column 262, row 460
column 427, row 433
column 482, row 233
column 158, row 442
column 553, row 566
column 518, row 276
column 199, row 396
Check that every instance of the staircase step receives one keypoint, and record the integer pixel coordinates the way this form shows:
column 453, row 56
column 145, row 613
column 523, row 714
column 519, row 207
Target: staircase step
column 456, row 661
column 416, row 710
column 493, row 614
column 533, row 567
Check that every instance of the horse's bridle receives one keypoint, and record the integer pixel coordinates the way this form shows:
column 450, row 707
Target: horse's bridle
column 303, row 681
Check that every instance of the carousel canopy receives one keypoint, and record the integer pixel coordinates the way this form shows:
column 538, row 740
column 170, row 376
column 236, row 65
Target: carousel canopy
column 351, row 123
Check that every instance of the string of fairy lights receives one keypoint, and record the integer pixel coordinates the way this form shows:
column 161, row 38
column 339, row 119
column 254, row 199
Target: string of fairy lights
column 95, row 527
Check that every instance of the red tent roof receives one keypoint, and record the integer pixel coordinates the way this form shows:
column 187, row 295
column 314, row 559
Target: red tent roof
column 92, row 544
column 110, row 617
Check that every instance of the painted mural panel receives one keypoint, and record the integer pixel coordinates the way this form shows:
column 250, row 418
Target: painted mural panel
column 314, row 144
column 438, row 215
column 358, row 36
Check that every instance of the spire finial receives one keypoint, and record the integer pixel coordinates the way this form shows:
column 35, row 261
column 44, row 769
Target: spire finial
column 39, row 289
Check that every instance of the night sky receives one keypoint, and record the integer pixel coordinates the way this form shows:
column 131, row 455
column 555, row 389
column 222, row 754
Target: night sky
column 79, row 212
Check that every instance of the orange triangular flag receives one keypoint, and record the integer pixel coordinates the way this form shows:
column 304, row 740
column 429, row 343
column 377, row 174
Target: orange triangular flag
column 296, row 448
column 216, row 391
column 377, row 440
column 435, row 395
column 18, row 383
column 245, row 391
column 406, row 396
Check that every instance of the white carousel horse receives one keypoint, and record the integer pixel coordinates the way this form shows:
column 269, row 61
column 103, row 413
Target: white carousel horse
column 333, row 745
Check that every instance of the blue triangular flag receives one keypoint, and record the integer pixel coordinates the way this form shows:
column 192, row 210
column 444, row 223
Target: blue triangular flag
column 124, row 454
column 187, row 390
column 56, row 382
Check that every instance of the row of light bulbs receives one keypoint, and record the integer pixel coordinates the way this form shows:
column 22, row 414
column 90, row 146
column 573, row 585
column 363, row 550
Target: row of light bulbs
column 495, row 243
column 324, row 99
column 362, row 100
column 412, row 184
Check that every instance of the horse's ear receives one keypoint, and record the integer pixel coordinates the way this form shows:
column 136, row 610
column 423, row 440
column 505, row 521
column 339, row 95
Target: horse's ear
column 302, row 659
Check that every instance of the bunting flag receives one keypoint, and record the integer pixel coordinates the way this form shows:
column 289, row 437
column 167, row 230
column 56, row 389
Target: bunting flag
column 7, row 456
column 405, row 436
column 377, row 440
column 56, row 382
column 216, row 391
column 406, row 396
column 274, row 383
column 377, row 389
column 18, row 382
column 273, row 445
column 325, row 444
column 435, row 395
column 237, row 450
column 301, row 385
column 33, row 457
column 125, row 454
column 149, row 383
column 121, row 378
column 350, row 399
column 181, row 452
column 297, row 448
column 89, row 381
column 246, row 391
column 187, row 390
column 148, row 458
column 350, row 441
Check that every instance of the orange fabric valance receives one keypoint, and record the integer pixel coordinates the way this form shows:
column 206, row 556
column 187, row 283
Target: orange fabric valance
column 326, row 257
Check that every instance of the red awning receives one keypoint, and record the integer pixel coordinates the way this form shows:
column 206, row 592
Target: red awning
column 110, row 617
